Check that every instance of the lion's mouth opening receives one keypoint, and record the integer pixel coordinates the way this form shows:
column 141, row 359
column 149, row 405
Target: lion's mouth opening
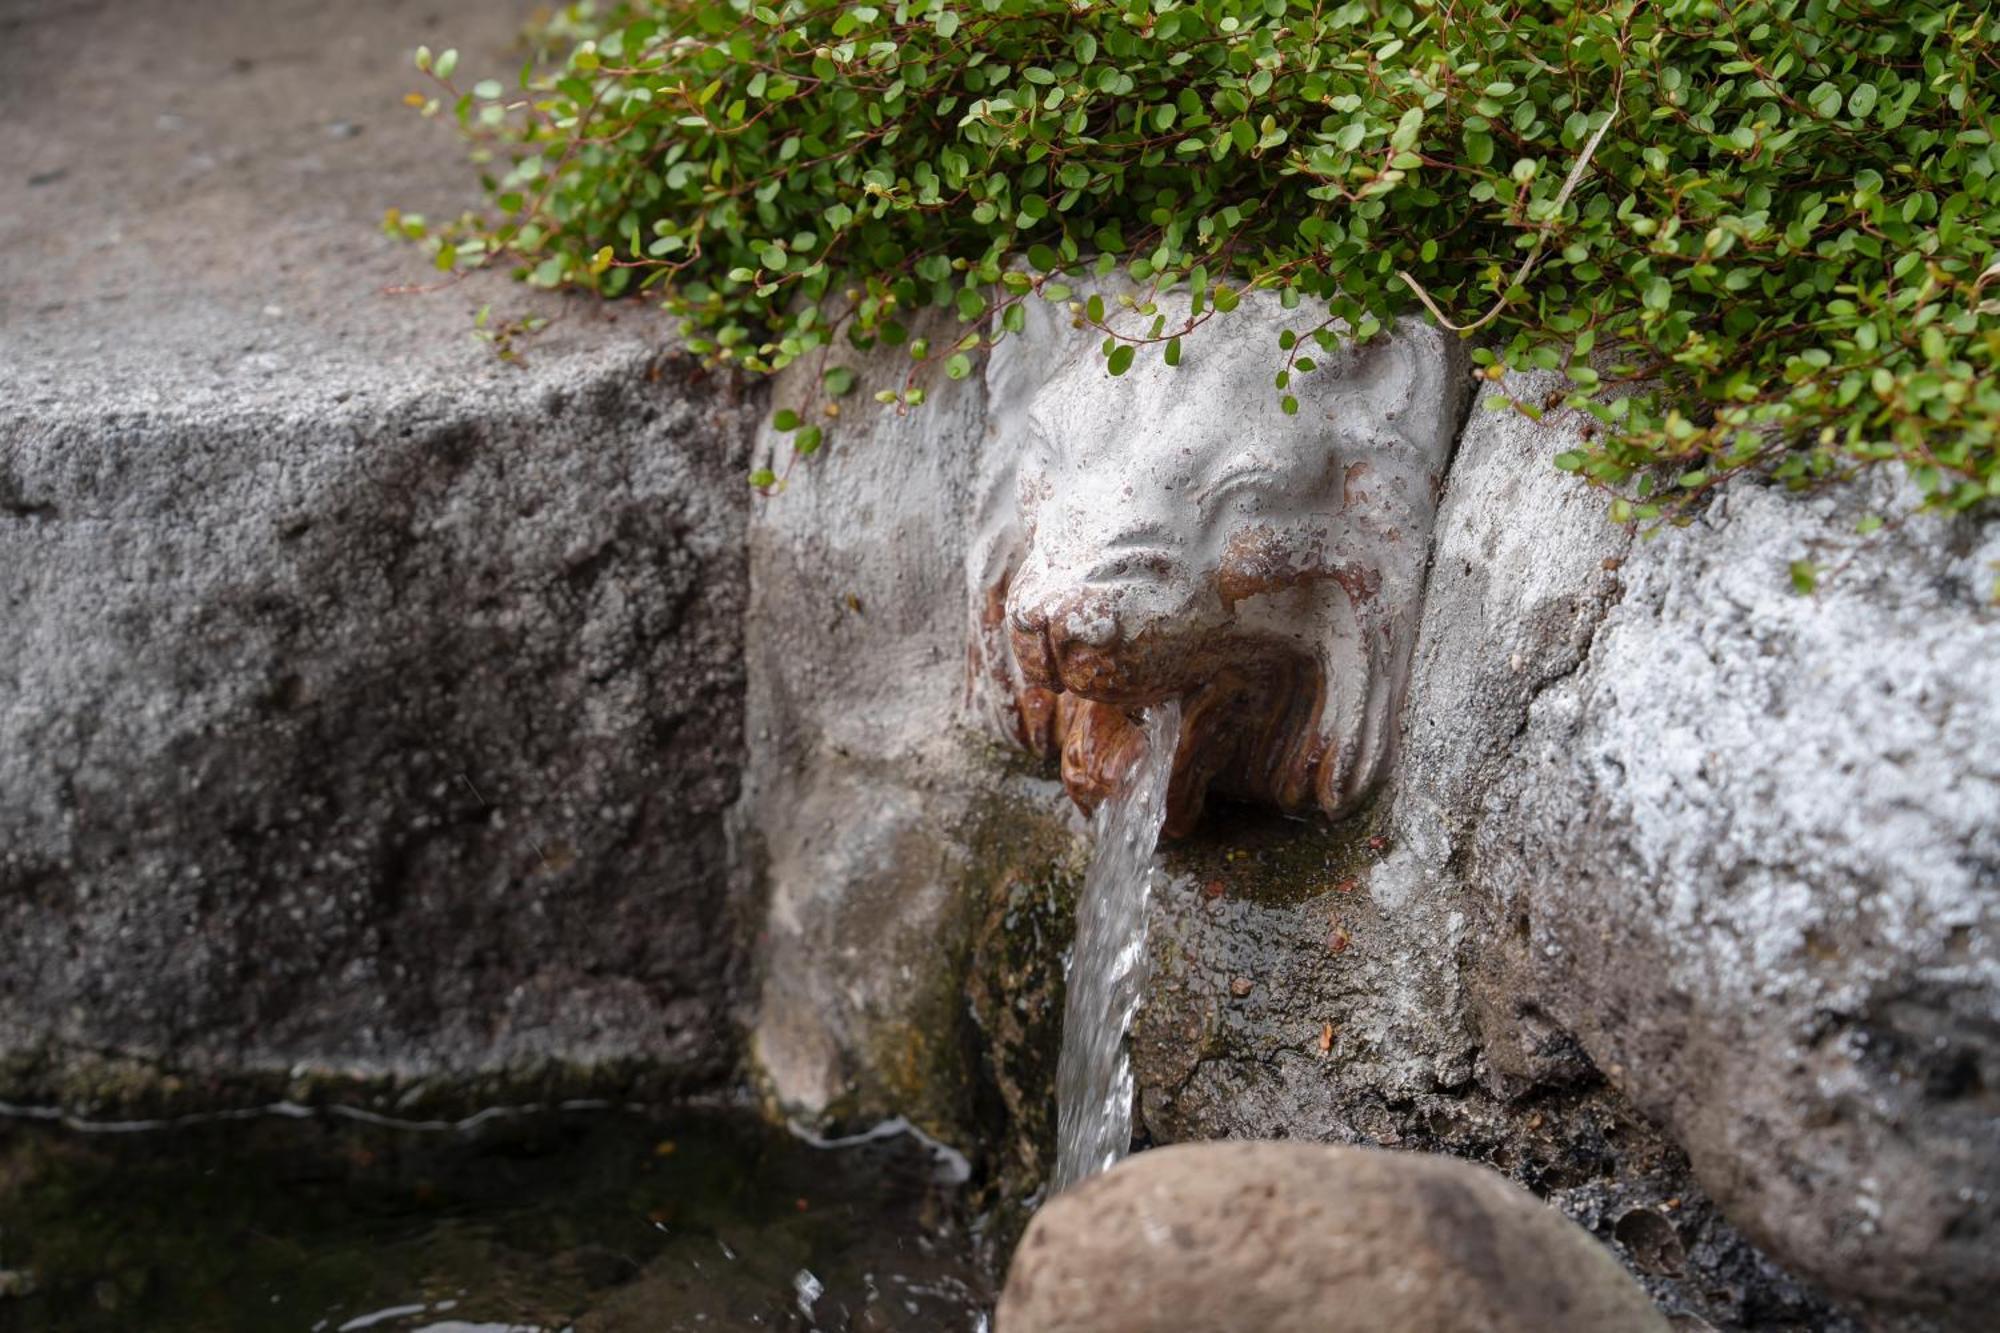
column 1246, row 732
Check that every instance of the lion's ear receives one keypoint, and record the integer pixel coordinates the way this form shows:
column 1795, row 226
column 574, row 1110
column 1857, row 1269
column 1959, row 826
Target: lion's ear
column 1410, row 378
column 1023, row 362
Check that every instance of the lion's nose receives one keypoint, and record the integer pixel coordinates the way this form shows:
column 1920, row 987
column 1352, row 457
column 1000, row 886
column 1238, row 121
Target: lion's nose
column 1130, row 565
column 1099, row 630
column 1080, row 614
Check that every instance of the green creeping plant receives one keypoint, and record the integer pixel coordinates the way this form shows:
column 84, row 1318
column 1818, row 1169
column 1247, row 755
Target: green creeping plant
column 1771, row 226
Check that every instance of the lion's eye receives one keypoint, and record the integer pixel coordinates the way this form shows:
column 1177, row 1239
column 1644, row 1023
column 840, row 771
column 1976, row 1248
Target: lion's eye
column 1252, row 476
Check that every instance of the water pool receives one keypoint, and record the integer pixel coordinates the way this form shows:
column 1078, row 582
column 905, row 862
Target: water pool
column 592, row 1220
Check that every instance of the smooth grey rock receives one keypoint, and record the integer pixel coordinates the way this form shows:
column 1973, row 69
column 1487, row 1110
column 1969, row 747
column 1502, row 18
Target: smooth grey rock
column 366, row 704
column 1307, row 1238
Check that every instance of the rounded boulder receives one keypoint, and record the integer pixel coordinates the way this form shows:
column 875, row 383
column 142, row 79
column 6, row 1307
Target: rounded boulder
column 1311, row 1238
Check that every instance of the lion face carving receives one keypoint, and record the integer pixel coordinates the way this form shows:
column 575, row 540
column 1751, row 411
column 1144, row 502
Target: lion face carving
column 1172, row 533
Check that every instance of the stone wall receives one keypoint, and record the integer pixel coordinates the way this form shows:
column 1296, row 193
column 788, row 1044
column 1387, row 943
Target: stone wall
column 396, row 742
column 877, row 828
column 1748, row 853
column 368, row 704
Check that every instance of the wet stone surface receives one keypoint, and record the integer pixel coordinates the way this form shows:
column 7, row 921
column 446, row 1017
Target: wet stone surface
column 1289, row 1001
column 597, row 1222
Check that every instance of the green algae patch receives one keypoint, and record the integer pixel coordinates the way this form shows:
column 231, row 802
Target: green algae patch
column 1278, row 860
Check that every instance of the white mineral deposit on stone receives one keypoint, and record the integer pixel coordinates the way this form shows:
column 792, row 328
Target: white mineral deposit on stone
column 1107, row 963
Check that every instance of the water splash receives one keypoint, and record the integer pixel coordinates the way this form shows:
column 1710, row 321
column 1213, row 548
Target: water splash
column 1107, row 963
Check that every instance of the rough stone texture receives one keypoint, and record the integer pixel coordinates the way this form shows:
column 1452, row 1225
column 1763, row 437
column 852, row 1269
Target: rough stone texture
column 365, row 703
column 1297, row 1238
column 1748, row 852
column 1365, row 982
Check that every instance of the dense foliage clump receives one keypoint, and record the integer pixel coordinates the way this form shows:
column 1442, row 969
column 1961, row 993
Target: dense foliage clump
column 1775, row 221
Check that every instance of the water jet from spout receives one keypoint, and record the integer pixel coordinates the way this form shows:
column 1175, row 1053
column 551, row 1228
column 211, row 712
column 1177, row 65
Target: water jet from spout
column 1107, row 963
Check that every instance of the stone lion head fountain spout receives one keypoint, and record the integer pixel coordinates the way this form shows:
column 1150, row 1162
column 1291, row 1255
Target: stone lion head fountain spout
column 1173, row 533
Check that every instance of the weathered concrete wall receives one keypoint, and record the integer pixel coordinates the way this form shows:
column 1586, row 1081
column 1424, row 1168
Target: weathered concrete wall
column 366, row 704
column 874, row 820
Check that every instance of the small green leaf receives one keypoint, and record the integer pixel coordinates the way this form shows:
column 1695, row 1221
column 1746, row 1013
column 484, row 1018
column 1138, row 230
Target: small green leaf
column 1407, row 129
column 1120, row 359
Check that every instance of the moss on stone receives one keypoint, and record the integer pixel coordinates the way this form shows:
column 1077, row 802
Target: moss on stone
column 1277, row 860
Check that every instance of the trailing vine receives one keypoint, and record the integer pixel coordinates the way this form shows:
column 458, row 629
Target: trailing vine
column 1773, row 223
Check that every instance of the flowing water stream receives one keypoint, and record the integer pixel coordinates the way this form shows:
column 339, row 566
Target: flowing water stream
column 1107, row 964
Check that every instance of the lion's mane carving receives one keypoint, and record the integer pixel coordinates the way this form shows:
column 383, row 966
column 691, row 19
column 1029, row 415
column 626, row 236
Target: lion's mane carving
column 1171, row 532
